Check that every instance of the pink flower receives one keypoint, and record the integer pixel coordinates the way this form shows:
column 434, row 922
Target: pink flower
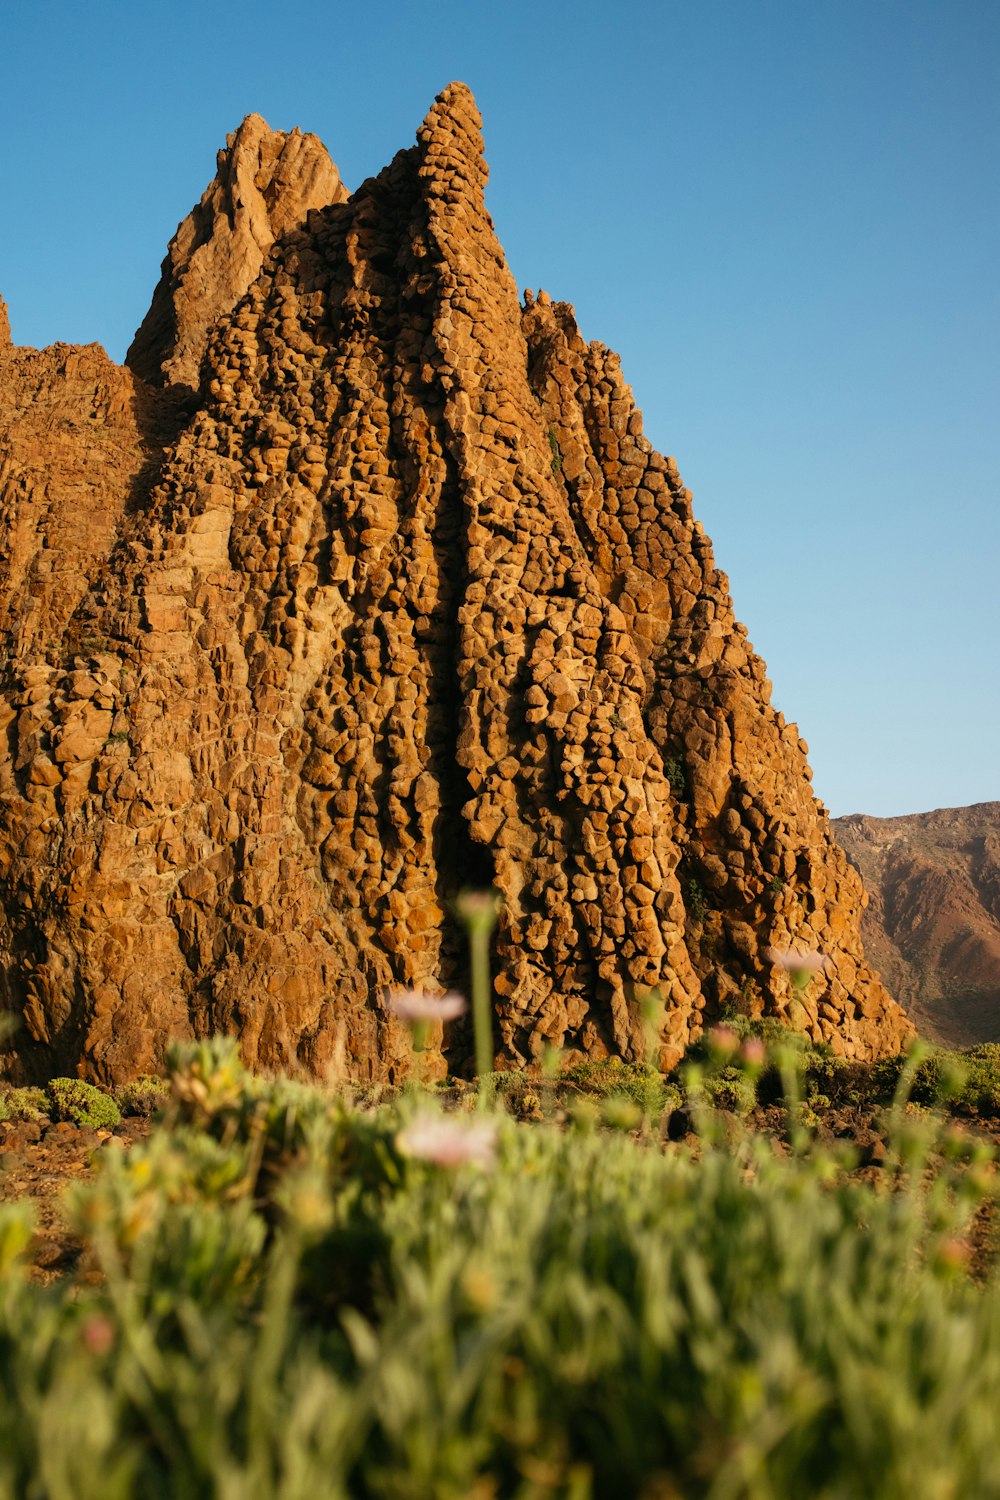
column 449, row 1142
column 418, row 1005
column 954, row 1253
column 98, row 1334
column 753, row 1052
column 797, row 963
column 724, row 1040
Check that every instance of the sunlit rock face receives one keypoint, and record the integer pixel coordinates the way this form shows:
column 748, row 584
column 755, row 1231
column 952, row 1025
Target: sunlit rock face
column 408, row 604
column 266, row 182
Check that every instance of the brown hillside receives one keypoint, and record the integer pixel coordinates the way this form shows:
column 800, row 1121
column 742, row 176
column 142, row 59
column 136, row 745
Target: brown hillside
column 412, row 604
column 933, row 921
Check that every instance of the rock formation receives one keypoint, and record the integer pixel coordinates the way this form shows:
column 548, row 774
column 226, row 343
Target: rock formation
column 411, row 605
column 933, row 923
column 265, row 184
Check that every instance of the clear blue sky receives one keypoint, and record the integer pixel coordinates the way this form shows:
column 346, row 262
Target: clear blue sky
column 784, row 216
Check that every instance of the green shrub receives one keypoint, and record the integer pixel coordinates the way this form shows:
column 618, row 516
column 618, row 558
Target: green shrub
column 980, row 1089
column 676, row 773
column 733, row 1089
column 23, row 1104
column 82, row 1103
column 611, row 1078
column 695, row 899
column 143, row 1096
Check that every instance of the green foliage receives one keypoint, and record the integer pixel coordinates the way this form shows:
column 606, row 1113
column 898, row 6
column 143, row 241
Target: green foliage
column 732, row 1088
column 676, row 773
column 143, row 1096
column 556, row 451
column 695, row 899
column 17, row 1222
column 294, row 1308
column 23, row 1104
column 610, row 1078
column 967, row 1081
column 82, row 1103
column 980, row 1089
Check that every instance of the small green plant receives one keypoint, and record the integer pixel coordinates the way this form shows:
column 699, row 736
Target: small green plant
column 143, row 1096
column 980, row 1088
column 30, row 1104
column 82, row 1104
column 733, row 1089
column 694, row 898
column 676, row 774
column 776, row 885
column 610, row 1078
column 557, row 458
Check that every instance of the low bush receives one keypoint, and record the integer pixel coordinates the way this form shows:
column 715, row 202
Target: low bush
column 81, row 1103
column 611, row 1078
column 143, row 1096
column 29, row 1104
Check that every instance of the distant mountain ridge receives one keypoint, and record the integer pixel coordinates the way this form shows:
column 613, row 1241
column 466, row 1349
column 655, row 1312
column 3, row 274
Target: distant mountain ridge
column 932, row 926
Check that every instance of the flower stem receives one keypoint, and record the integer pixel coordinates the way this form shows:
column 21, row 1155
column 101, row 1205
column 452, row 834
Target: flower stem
column 482, row 1017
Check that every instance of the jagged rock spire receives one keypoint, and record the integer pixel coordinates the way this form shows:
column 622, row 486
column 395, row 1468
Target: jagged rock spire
column 414, row 605
column 266, row 183
column 4, row 324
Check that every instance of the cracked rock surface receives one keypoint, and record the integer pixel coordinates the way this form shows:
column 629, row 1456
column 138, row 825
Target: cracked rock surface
column 408, row 604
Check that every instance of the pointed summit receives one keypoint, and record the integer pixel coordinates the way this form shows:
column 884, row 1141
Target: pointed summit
column 265, row 184
column 4, row 325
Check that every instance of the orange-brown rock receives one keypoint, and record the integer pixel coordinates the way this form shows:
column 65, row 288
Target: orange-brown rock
column 266, row 183
column 4, row 324
column 933, row 922
column 412, row 605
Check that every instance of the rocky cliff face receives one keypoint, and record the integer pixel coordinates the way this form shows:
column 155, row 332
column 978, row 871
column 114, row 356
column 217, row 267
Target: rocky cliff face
column 933, row 923
column 266, row 183
column 411, row 605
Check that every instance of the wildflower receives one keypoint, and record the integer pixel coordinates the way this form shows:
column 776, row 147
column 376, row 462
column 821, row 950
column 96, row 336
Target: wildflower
column 450, row 1142
column 800, row 967
column 799, row 963
column 724, row 1039
column 954, row 1254
column 480, row 1288
column 98, row 1334
column 753, row 1052
column 419, row 1005
column 479, row 910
